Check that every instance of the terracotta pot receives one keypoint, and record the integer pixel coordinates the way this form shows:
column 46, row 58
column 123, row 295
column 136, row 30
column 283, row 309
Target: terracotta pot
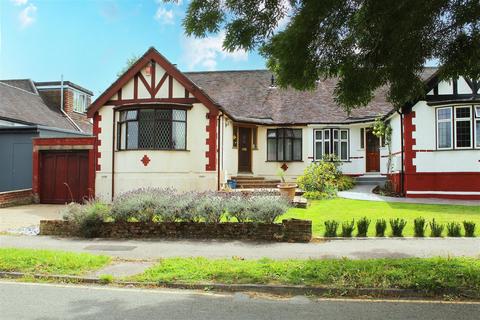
column 287, row 190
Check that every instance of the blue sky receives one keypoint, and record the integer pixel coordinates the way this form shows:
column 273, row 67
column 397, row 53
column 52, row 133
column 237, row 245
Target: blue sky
column 89, row 41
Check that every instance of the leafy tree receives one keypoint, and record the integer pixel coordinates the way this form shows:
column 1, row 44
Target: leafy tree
column 128, row 64
column 367, row 44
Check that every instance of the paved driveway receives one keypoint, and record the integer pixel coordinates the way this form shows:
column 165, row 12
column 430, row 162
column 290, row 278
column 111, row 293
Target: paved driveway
column 28, row 215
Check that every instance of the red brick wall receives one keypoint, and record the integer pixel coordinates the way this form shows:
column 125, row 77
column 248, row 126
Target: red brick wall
column 10, row 198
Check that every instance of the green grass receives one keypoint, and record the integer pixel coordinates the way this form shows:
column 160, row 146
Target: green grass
column 49, row 261
column 413, row 273
column 343, row 209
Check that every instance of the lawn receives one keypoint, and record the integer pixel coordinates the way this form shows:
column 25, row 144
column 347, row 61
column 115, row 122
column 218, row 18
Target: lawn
column 49, row 261
column 413, row 273
column 344, row 209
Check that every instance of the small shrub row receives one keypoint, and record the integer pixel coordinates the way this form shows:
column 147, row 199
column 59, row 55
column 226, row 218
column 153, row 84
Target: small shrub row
column 167, row 205
column 397, row 225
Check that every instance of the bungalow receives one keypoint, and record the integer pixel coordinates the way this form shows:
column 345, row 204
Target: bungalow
column 156, row 126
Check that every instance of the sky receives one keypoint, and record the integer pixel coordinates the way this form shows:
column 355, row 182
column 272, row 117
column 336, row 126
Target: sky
column 89, row 41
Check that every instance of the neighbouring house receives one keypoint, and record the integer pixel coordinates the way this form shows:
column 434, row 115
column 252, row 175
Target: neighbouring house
column 29, row 110
column 156, row 126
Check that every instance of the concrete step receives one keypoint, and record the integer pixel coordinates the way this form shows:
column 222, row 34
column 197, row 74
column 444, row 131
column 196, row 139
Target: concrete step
column 371, row 180
column 238, row 178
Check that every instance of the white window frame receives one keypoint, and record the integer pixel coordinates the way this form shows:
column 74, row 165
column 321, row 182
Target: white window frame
column 452, row 142
column 476, row 120
column 77, row 106
column 469, row 120
column 330, row 142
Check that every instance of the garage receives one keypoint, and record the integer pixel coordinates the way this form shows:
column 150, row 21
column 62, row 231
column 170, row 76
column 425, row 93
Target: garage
column 63, row 169
column 64, row 176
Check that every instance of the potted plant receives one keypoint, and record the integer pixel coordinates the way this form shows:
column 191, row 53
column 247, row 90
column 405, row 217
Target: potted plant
column 287, row 189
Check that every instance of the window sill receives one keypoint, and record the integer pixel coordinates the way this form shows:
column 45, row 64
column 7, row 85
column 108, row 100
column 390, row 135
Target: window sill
column 176, row 150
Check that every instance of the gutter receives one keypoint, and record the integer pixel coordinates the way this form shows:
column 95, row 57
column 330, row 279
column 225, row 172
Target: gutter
column 219, row 148
column 402, row 173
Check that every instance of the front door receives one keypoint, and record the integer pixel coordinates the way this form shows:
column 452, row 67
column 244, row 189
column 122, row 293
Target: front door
column 372, row 152
column 244, row 149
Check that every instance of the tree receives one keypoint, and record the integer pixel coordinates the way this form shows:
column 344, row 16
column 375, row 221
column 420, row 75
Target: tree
column 130, row 61
column 367, row 44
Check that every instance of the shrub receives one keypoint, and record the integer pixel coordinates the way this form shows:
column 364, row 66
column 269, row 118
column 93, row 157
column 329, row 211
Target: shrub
column 347, row 228
column 345, row 183
column 267, row 209
column 106, row 278
column 469, row 227
column 210, row 207
column 380, row 227
column 436, row 229
column 331, row 227
column 138, row 204
column 329, row 193
column 362, row 227
column 318, row 175
column 397, row 226
column 454, row 229
column 238, row 207
column 419, row 226
column 87, row 218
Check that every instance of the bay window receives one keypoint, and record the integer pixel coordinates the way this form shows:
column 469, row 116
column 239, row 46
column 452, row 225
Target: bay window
column 458, row 127
column 284, row 144
column 154, row 129
column 331, row 142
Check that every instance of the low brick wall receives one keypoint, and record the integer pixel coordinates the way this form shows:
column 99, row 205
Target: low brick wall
column 16, row 197
column 287, row 231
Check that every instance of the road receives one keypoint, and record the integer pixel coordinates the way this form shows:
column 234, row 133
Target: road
column 350, row 248
column 47, row 301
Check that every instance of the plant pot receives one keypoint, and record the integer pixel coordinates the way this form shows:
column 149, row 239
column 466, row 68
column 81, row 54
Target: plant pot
column 287, row 190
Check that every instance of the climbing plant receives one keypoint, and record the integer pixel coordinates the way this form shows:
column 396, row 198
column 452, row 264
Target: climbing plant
column 383, row 130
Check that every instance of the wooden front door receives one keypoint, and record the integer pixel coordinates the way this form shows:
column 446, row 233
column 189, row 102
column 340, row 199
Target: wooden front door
column 63, row 177
column 244, row 149
column 372, row 152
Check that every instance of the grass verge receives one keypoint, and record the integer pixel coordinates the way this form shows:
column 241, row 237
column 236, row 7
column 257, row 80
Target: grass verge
column 345, row 210
column 49, row 261
column 433, row 274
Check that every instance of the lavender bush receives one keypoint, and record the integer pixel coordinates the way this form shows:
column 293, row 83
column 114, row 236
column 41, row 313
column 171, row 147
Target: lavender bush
column 267, row 209
column 210, row 207
column 238, row 207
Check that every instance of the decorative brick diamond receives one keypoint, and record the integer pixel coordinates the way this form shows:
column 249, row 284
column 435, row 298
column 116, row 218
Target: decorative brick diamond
column 145, row 160
column 284, row 167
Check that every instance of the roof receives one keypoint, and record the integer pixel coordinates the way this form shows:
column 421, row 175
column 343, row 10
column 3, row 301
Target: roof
column 65, row 83
column 27, row 107
column 247, row 96
column 25, row 84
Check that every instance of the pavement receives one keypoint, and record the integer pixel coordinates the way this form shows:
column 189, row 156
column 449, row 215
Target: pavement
column 29, row 301
column 27, row 215
column 364, row 192
column 161, row 248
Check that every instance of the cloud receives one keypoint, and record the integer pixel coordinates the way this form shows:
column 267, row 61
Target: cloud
column 28, row 15
column 204, row 53
column 164, row 16
column 19, row 2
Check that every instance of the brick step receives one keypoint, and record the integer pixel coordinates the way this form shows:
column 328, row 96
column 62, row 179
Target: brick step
column 258, row 182
column 256, row 186
column 238, row 178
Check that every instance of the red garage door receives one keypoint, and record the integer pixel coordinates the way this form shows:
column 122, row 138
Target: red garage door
column 63, row 176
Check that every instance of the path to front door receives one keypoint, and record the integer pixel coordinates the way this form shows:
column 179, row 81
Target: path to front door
column 244, row 150
column 372, row 152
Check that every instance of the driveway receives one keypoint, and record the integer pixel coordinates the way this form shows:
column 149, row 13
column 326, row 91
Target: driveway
column 28, row 215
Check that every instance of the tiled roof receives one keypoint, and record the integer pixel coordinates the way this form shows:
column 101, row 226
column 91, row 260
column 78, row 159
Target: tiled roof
column 247, row 96
column 25, row 84
column 26, row 106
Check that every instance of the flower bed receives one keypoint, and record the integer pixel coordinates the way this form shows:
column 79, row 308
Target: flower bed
column 287, row 231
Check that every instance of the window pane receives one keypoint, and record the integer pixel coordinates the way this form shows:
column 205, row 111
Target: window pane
column 271, row 149
column 318, row 150
column 335, row 148
column 362, row 138
column 280, row 150
column 179, row 115
column 162, row 114
column 326, row 148
column 477, row 111
column 271, row 133
column 178, row 135
column 297, row 133
column 462, row 112
column 131, row 115
column 280, row 132
column 478, row 133
column 344, row 151
column 318, row 135
column 344, row 135
column 297, row 150
column 132, row 135
column 123, row 136
column 444, row 114
column 288, row 149
column 444, row 135
column 254, row 138
column 463, row 134
column 327, row 134
column 335, row 134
